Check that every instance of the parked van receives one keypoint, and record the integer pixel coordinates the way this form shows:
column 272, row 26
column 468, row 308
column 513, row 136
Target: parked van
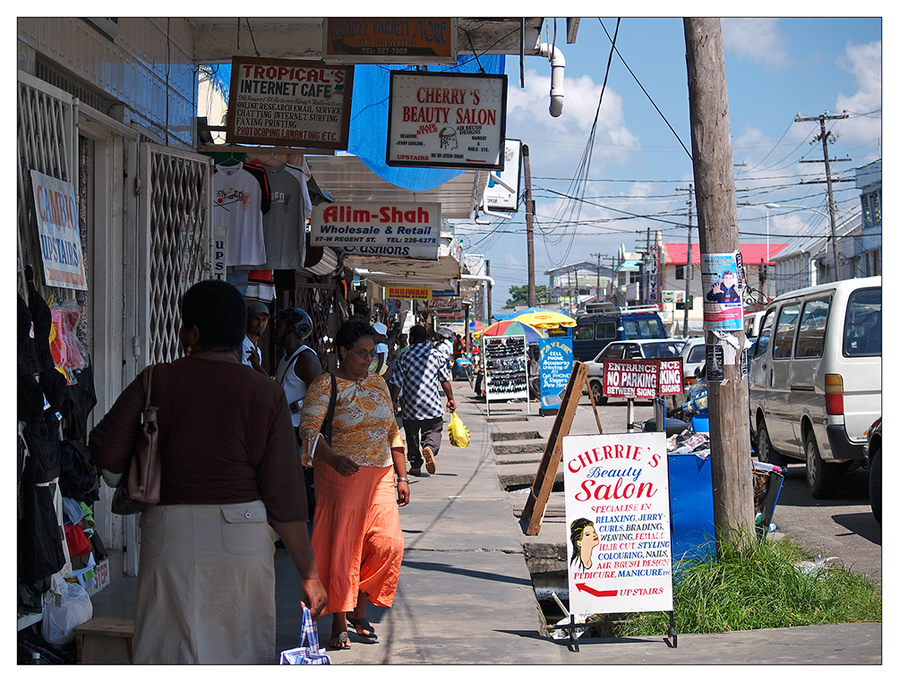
column 597, row 329
column 815, row 378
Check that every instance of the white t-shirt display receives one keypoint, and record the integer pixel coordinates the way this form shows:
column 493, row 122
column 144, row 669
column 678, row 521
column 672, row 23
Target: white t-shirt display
column 238, row 207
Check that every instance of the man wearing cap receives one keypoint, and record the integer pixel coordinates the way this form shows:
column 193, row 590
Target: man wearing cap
column 419, row 374
column 257, row 321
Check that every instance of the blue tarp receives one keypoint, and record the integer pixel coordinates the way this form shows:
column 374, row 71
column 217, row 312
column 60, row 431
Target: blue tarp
column 368, row 121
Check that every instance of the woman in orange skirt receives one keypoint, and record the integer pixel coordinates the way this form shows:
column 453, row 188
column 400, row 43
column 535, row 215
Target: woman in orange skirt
column 356, row 534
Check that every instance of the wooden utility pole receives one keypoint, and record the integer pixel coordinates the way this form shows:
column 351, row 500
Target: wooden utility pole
column 529, row 215
column 489, row 319
column 717, row 218
column 831, row 207
column 688, row 268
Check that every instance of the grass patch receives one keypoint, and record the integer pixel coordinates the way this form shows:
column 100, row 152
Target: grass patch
column 753, row 585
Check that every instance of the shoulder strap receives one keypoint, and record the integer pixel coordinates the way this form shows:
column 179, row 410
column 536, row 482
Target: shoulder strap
column 148, row 383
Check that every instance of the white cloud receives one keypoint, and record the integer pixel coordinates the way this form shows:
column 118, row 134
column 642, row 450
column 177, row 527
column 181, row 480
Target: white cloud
column 560, row 142
column 865, row 63
column 756, row 40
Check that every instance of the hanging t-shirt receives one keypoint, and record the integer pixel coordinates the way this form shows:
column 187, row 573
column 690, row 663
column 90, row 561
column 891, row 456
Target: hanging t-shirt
column 238, row 207
column 284, row 226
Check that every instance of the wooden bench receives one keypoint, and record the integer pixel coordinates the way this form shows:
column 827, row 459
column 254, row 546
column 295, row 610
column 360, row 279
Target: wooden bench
column 105, row 640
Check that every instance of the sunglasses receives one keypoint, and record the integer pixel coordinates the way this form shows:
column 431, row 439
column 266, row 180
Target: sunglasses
column 365, row 354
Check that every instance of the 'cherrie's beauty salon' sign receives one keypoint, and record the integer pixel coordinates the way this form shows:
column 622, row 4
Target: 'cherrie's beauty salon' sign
column 618, row 519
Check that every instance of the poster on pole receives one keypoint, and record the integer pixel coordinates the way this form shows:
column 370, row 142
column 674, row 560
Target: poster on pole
column 556, row 365
column 618, row 518
column 446, row 120
column 56, row 212
column 290, row 103
column 722, row 292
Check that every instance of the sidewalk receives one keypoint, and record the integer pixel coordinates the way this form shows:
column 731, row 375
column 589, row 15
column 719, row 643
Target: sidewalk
column 465, row 593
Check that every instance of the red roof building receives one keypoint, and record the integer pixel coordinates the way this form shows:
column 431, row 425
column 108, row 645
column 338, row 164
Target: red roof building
column 753, row 254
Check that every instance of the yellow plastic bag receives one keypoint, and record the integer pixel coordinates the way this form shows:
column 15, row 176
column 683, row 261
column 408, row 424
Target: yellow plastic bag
column 458, row 433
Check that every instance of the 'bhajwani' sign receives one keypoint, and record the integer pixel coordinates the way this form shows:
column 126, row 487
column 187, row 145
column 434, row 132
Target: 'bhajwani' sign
column 289, row 103
column 619, row 524
column 446, row 120
column 379, row 40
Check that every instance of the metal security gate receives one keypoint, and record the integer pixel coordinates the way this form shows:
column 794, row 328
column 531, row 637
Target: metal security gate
column 174, row 248
column 45, row 138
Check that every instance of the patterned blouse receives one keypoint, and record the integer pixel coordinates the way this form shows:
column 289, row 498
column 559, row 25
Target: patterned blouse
column 364, row 427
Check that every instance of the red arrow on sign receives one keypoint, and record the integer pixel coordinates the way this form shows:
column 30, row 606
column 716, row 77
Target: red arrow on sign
column 596, row 593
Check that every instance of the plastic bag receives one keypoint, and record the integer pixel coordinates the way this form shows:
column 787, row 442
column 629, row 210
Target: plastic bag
column 458, row 433
column 306, row 655
column 65, row 608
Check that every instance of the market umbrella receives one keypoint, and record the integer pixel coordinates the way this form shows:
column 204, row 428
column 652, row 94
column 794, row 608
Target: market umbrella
column 475, row 326
column 545, row 319
column 513, row 328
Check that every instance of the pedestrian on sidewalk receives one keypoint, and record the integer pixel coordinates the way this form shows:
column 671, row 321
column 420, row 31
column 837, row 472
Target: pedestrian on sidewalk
column 356, row 532
column 257, row 321
column 230, row 474
column 420, row 374
column 297, row 369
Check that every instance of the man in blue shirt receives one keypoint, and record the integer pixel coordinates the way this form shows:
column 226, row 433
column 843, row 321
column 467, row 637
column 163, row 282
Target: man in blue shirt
column 420, row 373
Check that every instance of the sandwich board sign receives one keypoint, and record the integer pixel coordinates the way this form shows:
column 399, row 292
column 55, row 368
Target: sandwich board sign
column 618, row 518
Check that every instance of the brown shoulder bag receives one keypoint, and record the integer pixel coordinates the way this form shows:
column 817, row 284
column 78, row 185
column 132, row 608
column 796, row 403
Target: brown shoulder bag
column 139, row 488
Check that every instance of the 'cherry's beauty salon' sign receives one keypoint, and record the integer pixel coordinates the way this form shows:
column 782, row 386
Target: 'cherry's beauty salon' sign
column 618, row 519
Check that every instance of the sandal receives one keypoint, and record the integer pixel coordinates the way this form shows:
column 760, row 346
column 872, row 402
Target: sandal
column 340, row 641
column 368, row 632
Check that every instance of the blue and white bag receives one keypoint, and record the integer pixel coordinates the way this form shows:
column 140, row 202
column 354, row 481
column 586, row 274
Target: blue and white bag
column 312, row 654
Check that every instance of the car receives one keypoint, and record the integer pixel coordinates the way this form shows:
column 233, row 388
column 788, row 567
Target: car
column 637, row 349
column 815, row 379
column 605, row 323
column 872, row 455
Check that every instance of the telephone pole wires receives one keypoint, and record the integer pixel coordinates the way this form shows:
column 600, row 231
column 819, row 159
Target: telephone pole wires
column 822, row 137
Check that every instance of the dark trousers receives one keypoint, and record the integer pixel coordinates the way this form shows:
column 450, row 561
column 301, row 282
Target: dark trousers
column 421, row 433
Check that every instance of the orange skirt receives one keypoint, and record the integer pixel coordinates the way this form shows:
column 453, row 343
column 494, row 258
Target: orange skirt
column 356, row 536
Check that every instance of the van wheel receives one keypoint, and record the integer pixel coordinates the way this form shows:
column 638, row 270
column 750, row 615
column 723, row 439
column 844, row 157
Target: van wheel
column 874, row 488
column 596, row 392
column 821, row 476
column 766, row 451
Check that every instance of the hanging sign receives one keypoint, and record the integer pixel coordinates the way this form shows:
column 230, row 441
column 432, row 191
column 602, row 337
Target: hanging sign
column 290, row 103
column 556, row 365
column 618, row 519
column 417, row 293
column 379, row 40
column 391, row 229
column 723, row 292
column 446, row 120
column 498, row 197
column 56, row 212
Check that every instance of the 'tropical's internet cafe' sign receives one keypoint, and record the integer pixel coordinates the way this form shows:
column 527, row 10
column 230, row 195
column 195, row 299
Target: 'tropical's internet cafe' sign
column 405, row 230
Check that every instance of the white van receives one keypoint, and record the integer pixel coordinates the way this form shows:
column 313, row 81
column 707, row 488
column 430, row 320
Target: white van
column 815, row 377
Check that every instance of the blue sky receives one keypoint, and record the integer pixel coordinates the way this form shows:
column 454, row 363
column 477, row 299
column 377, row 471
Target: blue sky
column 776, row 69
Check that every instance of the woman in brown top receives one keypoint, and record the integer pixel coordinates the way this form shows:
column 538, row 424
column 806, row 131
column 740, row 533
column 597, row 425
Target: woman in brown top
column 230, row 475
